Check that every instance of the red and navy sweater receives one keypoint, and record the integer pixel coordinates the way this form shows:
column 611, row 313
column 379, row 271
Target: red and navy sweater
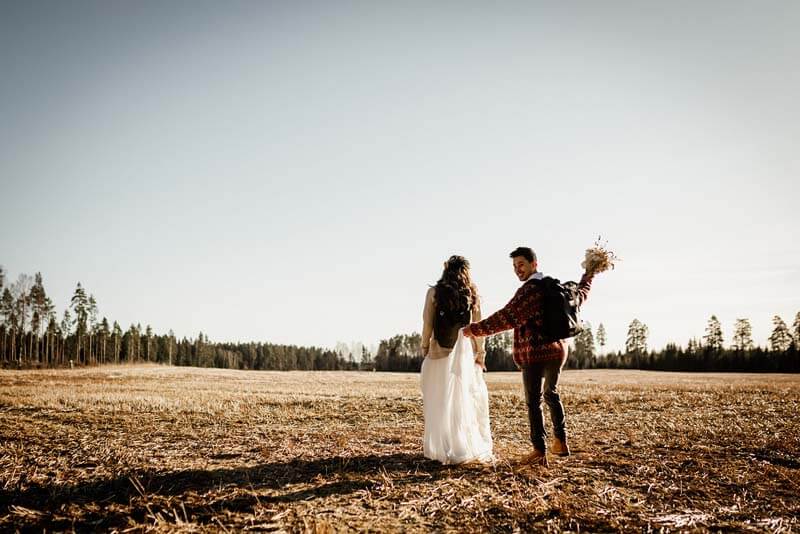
column 523, row 313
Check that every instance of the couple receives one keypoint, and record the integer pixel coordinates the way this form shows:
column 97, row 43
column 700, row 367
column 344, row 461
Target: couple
column 454, row 395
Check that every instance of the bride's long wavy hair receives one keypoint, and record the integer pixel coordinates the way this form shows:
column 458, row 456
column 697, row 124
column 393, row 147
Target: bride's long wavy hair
column 455, row 290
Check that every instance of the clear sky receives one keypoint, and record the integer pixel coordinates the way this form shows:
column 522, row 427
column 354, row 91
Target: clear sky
column 297, row 172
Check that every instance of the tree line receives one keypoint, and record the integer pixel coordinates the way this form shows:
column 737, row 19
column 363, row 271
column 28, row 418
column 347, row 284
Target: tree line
column 32, row 335
column 586, row 350
column 710, row 353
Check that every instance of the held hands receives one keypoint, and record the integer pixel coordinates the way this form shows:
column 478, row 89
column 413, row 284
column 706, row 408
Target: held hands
column 467, row 331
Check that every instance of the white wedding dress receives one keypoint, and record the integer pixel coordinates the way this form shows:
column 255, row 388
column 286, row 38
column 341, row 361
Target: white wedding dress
column 456, row 407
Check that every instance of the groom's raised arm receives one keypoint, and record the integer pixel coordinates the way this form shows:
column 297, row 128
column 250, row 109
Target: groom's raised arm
column 584, row 286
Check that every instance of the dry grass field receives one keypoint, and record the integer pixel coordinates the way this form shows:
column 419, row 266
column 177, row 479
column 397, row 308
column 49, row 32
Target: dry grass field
column 163, row 449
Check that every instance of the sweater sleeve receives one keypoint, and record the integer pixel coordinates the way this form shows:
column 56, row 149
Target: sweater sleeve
column 583, row 287
column 427, row 321
column 518, row 310
column 478, row 342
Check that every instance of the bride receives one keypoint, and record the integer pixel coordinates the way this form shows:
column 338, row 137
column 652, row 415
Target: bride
column 454, row 395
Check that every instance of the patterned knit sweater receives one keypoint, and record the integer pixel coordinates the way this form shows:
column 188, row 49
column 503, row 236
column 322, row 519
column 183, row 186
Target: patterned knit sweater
column 526, row 305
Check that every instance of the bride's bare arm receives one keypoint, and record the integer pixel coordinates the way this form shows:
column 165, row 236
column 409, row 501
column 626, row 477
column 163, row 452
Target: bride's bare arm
column 427, row 322
column 478, row 343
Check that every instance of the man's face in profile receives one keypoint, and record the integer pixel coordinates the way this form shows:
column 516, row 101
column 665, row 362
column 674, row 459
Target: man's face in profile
column 523, row 268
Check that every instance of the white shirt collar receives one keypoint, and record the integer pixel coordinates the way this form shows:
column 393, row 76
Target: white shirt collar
column 535, row 276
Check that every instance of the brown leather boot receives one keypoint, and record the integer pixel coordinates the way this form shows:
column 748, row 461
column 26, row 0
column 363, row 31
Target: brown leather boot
column 537, row 457
column 560, row 447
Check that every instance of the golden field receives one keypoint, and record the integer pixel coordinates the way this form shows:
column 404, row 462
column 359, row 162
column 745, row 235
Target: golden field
column 151, row 448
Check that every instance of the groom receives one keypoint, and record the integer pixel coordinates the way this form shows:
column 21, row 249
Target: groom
column 540, row 363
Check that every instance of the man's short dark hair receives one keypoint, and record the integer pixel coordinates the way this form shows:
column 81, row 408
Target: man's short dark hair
column 525, row 252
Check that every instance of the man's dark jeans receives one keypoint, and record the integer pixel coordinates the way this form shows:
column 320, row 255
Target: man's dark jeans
column 539, row 378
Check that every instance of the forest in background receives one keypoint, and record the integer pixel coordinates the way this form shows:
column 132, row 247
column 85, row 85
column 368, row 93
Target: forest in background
column 33, row 335
column 586, row 351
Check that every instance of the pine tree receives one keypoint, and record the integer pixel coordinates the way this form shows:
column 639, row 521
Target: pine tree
column 104, row 332
column 39, row 306
column 131, row 342
column 637, row 337
column 140, row 333
column 66, row 325
column 713, row 337
column 796, row 331
column 80, row 305
column 742, row 335
column 636, row 343
column 200, row 352
column 148, row 344
column 92, row 309
column 584, row 347
column 781, row 339
column 601, row 337
column 51, row 332
column 137, row 340
column 9, row 320
column 51, row 317
column 116, row 332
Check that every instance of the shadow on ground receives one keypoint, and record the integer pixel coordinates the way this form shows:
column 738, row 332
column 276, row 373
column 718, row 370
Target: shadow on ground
column 43, row 505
